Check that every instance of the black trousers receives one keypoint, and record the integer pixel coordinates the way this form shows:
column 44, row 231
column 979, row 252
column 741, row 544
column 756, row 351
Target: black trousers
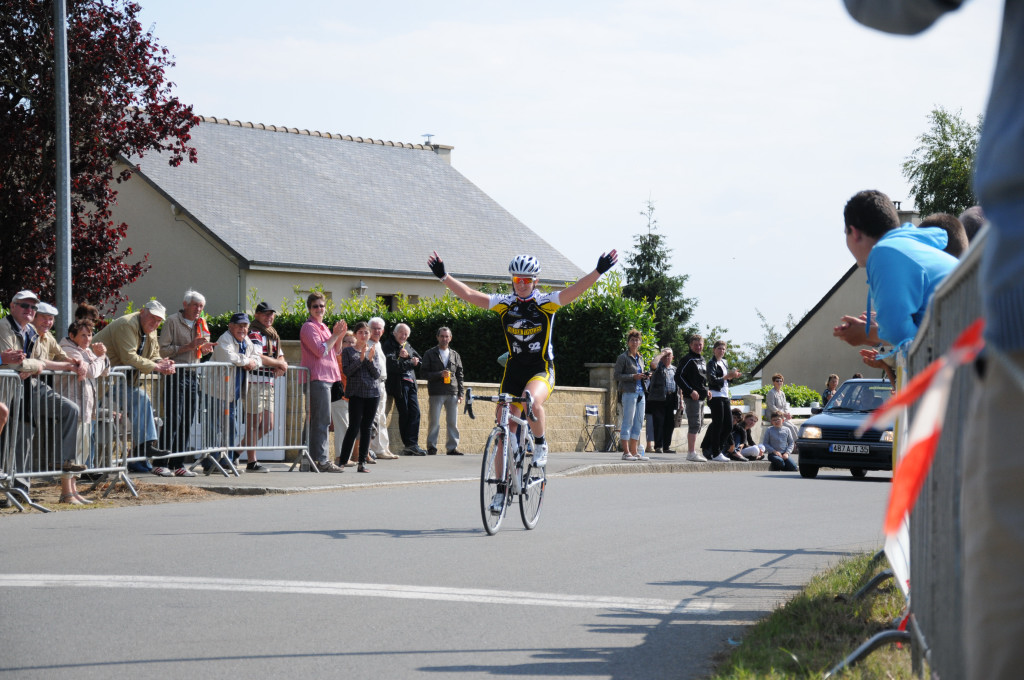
column 408, row 404
column 663, row 413
column 716, row 439
column 361, row 412
column 181, row 396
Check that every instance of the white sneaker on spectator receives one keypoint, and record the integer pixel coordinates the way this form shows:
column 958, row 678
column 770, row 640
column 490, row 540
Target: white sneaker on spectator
column 628, row 456
column 162, row 472
column 643, row 457
column 721, row 458
column 540, row 455
column 695, row 457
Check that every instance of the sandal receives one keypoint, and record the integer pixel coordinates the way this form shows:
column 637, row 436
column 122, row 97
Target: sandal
column 69, row 499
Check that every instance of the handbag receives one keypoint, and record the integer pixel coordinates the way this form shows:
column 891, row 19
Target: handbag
column 337, row 391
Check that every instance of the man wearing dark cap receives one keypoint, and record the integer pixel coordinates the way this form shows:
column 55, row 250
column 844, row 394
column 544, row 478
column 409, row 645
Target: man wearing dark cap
column 259, row 401
column 233, row 347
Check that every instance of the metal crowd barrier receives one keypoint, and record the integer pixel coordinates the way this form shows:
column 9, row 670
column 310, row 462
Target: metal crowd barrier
column 11, row 394
column 936, row 531
column 208, row 413
column 49, row 425
column 202, row 412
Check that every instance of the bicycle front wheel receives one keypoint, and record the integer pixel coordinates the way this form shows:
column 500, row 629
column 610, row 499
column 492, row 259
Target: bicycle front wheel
column 493, row 481
column 534, row 482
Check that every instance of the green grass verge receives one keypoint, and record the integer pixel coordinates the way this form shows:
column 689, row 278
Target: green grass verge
column 814, row 631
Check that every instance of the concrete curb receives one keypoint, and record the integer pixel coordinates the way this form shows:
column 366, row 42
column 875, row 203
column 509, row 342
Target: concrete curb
column 659, row 468
column 591, row 469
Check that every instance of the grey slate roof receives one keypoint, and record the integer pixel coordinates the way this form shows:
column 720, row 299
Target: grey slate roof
column 280, row 196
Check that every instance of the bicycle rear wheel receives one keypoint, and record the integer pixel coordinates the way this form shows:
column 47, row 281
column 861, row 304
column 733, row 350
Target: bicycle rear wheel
column 492, row 482
column 534, row 482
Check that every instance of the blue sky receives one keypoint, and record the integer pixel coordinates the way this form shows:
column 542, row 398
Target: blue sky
column 748, row 124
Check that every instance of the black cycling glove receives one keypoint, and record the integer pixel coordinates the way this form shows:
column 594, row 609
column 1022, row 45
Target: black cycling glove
column 437, row 266
column 605, row 262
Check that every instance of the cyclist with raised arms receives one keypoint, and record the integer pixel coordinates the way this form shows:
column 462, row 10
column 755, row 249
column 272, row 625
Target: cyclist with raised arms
column 527, row 317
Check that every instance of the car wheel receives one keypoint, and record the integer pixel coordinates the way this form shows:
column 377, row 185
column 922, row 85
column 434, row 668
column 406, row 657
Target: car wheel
column 808, row 471
column 858, row 472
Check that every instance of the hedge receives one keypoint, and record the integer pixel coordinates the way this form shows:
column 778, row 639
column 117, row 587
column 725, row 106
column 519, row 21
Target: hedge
column 798, row 396
column 591, row 329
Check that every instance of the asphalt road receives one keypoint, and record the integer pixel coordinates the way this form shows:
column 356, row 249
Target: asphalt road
column 626, row 576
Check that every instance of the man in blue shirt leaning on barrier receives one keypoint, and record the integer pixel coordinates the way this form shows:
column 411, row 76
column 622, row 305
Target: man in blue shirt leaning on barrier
column 904, row 265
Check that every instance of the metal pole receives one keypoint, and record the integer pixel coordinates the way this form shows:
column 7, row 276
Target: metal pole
column 62, row 218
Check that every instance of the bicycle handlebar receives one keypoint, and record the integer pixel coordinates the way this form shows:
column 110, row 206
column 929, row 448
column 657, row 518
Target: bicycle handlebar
column 501, row 399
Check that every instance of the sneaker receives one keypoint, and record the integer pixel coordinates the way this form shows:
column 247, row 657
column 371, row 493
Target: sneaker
column 329, row 466
column 695, row 457
column 160, row 471
column 721, row 458
column 657, row 449
column 628, row 456
column 184, row 472
column 540, row 455
column 497, row 503
column 668, row 450
column 256, row 467
column 643, row 457
column 455, row 452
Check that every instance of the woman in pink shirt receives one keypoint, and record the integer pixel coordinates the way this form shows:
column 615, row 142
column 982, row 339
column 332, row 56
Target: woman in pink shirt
column 320, row 347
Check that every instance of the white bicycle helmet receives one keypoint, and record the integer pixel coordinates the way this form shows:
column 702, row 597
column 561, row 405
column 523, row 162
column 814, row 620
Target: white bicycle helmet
column 524, row 265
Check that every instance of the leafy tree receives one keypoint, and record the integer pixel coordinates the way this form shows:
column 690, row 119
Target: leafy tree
column 733, row 356
column 120, row 106
column 941, row 167
column 757, row 351
column 647, row 278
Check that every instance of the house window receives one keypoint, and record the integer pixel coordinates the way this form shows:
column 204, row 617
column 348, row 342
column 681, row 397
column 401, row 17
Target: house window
column 390, row 302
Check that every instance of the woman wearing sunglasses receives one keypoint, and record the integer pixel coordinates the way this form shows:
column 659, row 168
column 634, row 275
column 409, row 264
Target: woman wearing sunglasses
column 320, row 347
column 526, row 317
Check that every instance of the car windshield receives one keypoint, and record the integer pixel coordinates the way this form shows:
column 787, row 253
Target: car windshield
column 860, row 397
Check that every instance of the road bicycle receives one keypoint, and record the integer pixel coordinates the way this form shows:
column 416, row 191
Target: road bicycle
column 517, row 479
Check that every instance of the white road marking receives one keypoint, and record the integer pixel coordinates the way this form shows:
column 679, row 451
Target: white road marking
column 692, row 607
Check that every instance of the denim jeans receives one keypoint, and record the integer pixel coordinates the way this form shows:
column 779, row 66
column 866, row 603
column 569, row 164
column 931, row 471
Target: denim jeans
column 633, row 414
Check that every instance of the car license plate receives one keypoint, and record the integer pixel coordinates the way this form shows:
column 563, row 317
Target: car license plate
column 849, row 448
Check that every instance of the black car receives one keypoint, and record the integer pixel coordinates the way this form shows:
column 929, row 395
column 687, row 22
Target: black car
column 827, row 439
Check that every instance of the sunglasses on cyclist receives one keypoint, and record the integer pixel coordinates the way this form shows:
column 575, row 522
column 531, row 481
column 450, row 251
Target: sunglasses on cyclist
column 523, row 279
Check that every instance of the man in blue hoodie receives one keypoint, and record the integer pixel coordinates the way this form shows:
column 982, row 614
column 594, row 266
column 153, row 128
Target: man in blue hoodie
column 904, row 266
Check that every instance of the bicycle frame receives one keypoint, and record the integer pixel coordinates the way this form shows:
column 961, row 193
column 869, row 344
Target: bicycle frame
column 504, row 473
